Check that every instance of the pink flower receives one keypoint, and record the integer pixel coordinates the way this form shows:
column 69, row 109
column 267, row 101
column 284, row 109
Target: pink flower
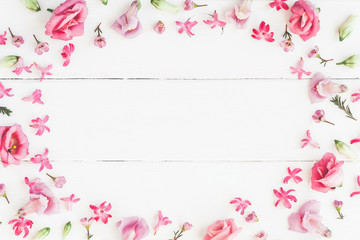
column 240, row 204
column 128, row 24
column 279, row 4
column 133, row 228
column 100, row 42
column 21, row 67
column 222, row 230
column 190, row 5
column 59, row 181
column 16, row 40
column 300, row 71
column 70, row 201
column 327, row 174
column 356, row 97
column 163, row 221
column 14, row 145
column 321, row 88
column 261, row 236
column 240, row 13
column 187, row 226
column 355, row 140
column 101, row 212
column 307, row 219
column 263, row 32
column 287, row 45
column 40, row 125
column 338, row 205
column 358, row 183
column 251, row 218
column 67, row 20
column 186, row 26
column 68, row 50
column 293, row 175
column 41, row 47
column 3, row 38
column 319, row 116
column 314, row 52
column 159, row 27
column 87, row 222
column 304, row 20
column 5, row 91
column 215, row 22
column 42, row 159
column 285, row 197
column 309, row 141
column 45, row 71
column 35, row 97
column 21, row 225
column 3, row 192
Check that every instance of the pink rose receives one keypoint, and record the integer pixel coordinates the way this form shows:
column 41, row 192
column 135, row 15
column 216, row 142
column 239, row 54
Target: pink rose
column 222, row 230
column 67, row 20
column 305, row 20
column 327, row 174
column 14, row 145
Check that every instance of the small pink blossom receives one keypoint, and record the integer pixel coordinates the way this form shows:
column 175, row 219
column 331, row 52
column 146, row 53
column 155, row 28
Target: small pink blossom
column 35, row 97
column 133, row 228
column 285, row 197
column 99, row 40
column 279, row 4
column 42, row 159
column 5, row 91
column 129, row 24
column 263, row 33
column 240, row 13
column 215, row 22
column 190, row 5
column 21, row 225
column 293, row 175
column 162, row 221
column 21, row 67
column 68, row 50
column 300, row 71
column 159, row 27
column 186, row 26
column 59, row 181
column 261, row 236
column 17, row 41
column 356, row 97
column 3, row 38
column 87, row 222
column 287, row 45
column 358, row 183
column 70, row 201
column 40, row 125
column 251, row 218
column 101, row 212
column 187, row 226
column 314, row 52
column 44, row 71
column 41, row 47
column 309, row 141
column 3, row 192
column 240, row 204
column 319, row 116
column 338, row 205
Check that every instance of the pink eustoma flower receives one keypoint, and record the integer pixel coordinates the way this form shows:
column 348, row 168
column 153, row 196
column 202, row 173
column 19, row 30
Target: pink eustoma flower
column 240, row 13
column 240, row 204
column 21, row 67
column 44, row 71
column 287, row 45
column 133, row 228
column 21, row 225
column 300, row 71
column 70, row 201
column 263, row 33
column 356, row 97
column 162, row 221
column 40, row 125
column 5, row 91
column 128, row 24
column 285, row 197
column 186, row 26
column 293, row 175
column 34, row 98
column 17, row 41
column 322, row 88
column 251, row 218
column 309, row 141
column 68, row 50
column 101, row 212
column 3, row 38
column 307, row 219
column 223, row 230
column 215, row 22
column 279, row 4
column 261, row 236
column 358, row 183
column 159, row 27
column 42, row 159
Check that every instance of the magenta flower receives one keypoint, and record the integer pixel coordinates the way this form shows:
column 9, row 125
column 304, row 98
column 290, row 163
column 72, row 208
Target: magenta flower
column 68, row 50
column 133, row 228
column 251, row 218
column 293, row 175
column 279, row 4
column 307, row 219
column 300, row 71
column 41, row 47
column 322, row 88
column 44, row 71
column 358, row 183
column 3, row 192
column 287, row 45
column 285, row 197
column 21, row 67
column 59, row 181
column 309, row 141
column 101, row 212
column 128, row 24
column 240, row 13
column 261, row 236
column 319, row 116
column 355, row 140
column 159, row 27
column 3, row 38
column 35, row 97
column 99, row 40
column 163, row 221
column 5, row 91
column 40, row 125
column 42, row 159
column 186, row 26
column 16, row 40
column 70, row 201
column 215, row 22
column 263, row 32
column 240, row 204
column 190, row 5
column 356, row 97
column 21, row 225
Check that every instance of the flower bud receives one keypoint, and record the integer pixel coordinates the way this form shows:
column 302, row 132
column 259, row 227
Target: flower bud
column 352, row 61
column 9, row 61
column 43, row 233
column 33, row 5
column 345, row 150
column 67, row 229
column 165, row 6
column 347, row 27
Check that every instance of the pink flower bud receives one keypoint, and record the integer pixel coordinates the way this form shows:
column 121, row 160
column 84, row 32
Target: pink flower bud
column 159, row 27
column 187, row 226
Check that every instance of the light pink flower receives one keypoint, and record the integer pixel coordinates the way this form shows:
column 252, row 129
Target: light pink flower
column 307, row 219
column 21, row 225
column 41, row 47
column 358, row 183
column 70, row 201
column 319, row 116
column 215, row 22
column 162, row 221
column 186, row 26
column 263, row 33
column 3, row 192
column 45, row 71
column 59, row 181
column 300, row 71
column 5, row 91
column 314, row 53
column 35, row 97
column 17, row 41
column 101, row 212
column 251, row 218
column 3, row 38
column 222, row 230
column 309, row 141
column 322, row 88
column 21, row 67
column 293, row 175
column 68, row 50
column 100, row 42
column 279, row 4
column 287, row 45
column 133, row 228
column 285, row 197
column 190, row 5
column 87, row 222
column 240, row 13
column 42, row 159
column 187, row 226
column 40, row 125
column 128, row 24
column 356, row 97
column 159, row 27
column 261, row 236
column 240, row 204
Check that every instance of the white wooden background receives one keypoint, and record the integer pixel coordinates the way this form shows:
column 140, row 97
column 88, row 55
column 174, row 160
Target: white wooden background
column 214, row 117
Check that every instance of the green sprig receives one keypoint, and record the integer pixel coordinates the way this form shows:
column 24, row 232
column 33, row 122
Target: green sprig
column 5, row 111
column 341, row 104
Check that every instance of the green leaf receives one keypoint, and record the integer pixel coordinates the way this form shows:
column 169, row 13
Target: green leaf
column 67, row 229
column 43, row 233
column 5, row 111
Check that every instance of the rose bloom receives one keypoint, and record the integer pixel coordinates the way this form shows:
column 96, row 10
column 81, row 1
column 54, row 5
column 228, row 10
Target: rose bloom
column 327, row 174
column 67, row 20
column 222, row 230
column 304, row 20
column 14, row 145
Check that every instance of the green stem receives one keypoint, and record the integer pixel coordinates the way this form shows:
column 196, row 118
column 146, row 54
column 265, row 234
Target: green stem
column 50, row 10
